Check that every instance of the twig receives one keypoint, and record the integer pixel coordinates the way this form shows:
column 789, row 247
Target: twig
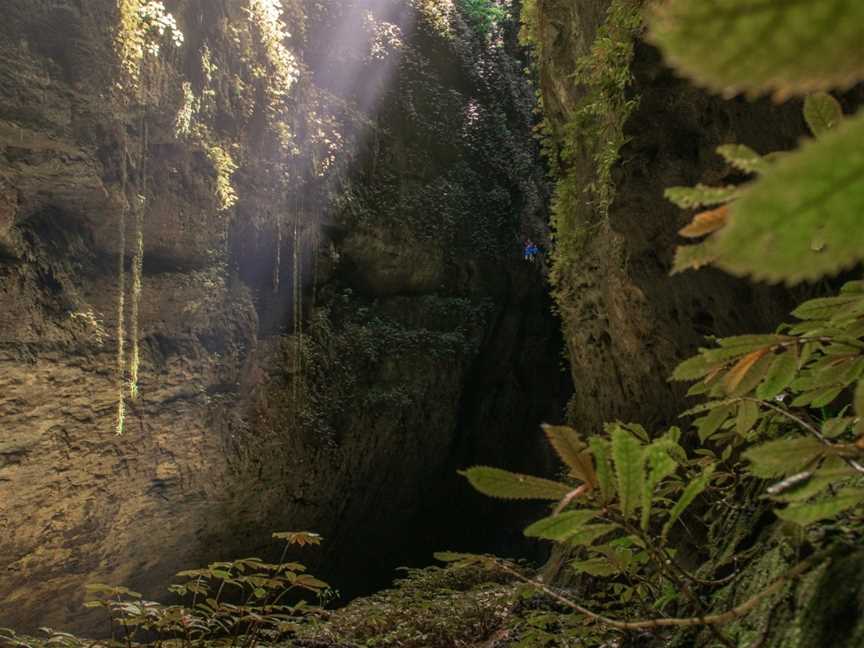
column 807, row 426
column 709, row 620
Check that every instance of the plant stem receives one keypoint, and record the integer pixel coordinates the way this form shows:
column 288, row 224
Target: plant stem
column 807, row 426
column 707, row 620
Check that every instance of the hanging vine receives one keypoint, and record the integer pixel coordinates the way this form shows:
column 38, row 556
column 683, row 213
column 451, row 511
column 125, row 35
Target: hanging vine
column 144, row 27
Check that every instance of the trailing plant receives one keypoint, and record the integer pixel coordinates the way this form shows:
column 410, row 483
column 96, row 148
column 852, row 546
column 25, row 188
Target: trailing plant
column 239, row 603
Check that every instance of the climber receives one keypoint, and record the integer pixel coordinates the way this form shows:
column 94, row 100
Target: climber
column 531, row 250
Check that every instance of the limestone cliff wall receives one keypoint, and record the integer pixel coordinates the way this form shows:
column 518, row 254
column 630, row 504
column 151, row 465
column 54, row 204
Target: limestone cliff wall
column 333, row 314
column 628, row 323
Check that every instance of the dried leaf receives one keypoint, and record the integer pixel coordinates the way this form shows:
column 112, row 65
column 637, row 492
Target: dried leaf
column 706, row 223
column 739, row 371
column 573, row 452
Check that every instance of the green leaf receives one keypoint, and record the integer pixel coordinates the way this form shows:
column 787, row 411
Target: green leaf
column 755, row 46
column 701, row 195
column 660, row 465
column 779, row 376
column 693, row 257
column 601, row 451
column 810, row 512
column 783, row 456
column 747, row 343
column 822, row 113
column 560, row 527
column 627, row 456
column 708, row 425
column 463, row 558
column 801, row 220
column 589, row 533
column 748, row 414
column 595, row 567
column 834, row 427
column 824, row 307
column 743, row 158
column 859, row 398
column 495, row 482
column 691, row 492
column 695, row 368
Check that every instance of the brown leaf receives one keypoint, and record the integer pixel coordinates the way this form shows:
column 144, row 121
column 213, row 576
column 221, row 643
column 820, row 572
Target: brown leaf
column 706, row 222
column 573, row 452
column 745, row 364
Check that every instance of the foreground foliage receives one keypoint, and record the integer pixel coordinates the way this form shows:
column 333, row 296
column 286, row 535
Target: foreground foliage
column 245, row 602
column 781, row 422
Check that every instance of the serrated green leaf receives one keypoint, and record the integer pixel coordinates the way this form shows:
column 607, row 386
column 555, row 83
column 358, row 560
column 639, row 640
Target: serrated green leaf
column 595, row 567
column 822, row 112
column 504, row 484
column 824, row 307
column 810, row 512
column 602, row 455
column 691, row 492
column 826, row 396
column 463, row 558
column 748, row 414
column 834, row 427
column 560, row 527
column 708, row 425
column 747, row 343
column 780, row 375
column 756, row 47
column 701, row 195
column 859, row 398
column 627, row 458
column 706, row 407
column 812, row 397
column 743, row 158
column 589, row 533
column 694, row 368
column 694, row 256
column 814, row 195
column 660, row 465
column 830, row 472
column 783, row 456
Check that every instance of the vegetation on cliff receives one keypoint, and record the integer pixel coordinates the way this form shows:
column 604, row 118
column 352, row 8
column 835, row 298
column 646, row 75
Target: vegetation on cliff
column 740, row 527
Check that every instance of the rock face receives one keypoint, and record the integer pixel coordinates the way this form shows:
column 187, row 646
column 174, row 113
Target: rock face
column 628, row 323
column 332, row 314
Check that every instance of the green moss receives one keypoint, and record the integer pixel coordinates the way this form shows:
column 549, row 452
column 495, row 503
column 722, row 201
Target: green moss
column 429, row 608
column 583, row 146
